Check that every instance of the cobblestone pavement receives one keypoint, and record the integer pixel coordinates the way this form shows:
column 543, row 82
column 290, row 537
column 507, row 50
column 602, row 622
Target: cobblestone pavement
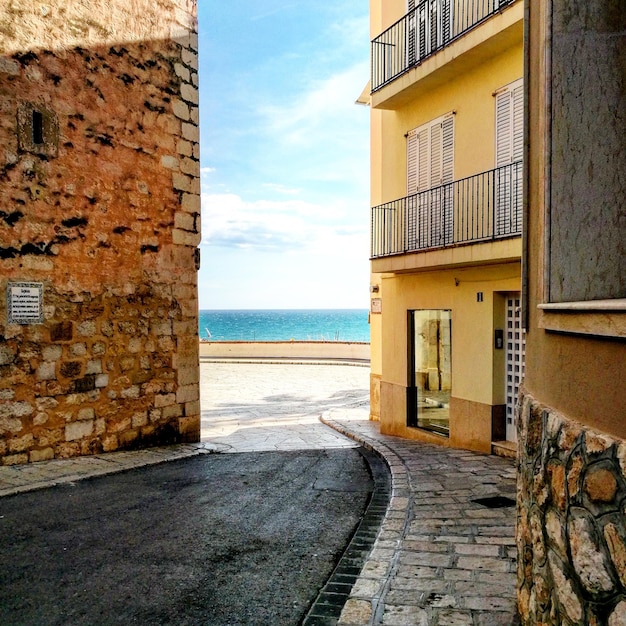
column 445, row 554
column 442, row 556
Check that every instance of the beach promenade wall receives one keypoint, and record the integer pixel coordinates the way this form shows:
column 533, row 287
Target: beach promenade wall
column 339, row 350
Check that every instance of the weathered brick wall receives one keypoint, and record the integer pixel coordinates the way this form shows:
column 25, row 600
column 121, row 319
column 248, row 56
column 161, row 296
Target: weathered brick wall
column 571, row 533
column 99, row 201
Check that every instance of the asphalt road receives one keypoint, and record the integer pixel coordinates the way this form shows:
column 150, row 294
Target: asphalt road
column 237, row 539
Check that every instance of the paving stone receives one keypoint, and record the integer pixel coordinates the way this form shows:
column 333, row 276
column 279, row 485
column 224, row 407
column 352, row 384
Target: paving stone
column 477, row 550
column 411, row 571
column 355, row 613
column 488, row 603
column 455, row 618
column 405, row 616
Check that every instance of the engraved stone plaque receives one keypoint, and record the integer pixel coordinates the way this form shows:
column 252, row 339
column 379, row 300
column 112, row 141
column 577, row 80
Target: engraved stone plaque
column 25, row 303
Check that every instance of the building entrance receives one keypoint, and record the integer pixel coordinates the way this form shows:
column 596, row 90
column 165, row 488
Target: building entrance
column 515, row 352
column 430, row 375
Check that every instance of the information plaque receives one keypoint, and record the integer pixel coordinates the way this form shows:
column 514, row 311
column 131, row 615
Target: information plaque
column 25, row 303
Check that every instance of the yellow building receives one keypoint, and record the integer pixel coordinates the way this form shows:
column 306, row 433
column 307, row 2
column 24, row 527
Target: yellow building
column 447, row 117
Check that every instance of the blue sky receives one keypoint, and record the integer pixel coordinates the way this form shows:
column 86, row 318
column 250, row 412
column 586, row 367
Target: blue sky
column 284, row 154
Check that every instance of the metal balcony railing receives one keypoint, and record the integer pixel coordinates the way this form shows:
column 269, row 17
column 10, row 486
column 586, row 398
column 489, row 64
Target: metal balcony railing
column 476, row 209
column 429, row 27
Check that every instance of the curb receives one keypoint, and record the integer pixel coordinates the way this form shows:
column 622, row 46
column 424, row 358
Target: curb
column 365, row 605
column 260, row 360
column 327, row 607
column 83, row 468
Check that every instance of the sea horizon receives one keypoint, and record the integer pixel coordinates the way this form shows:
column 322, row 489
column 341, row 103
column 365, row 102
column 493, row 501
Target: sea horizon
column 293, row 324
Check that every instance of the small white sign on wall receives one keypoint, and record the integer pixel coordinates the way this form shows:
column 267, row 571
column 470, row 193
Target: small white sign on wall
column 25, row 303
column 376, row 305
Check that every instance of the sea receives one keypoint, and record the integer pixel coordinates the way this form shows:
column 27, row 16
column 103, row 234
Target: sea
column 285, row 325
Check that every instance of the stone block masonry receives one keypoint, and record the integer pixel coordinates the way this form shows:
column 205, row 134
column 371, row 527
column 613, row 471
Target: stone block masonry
column 99, row 204
column 571, row 532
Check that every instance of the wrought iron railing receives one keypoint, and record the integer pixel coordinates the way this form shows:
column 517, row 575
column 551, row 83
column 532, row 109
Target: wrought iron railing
column 424, row 30
column 479, row 208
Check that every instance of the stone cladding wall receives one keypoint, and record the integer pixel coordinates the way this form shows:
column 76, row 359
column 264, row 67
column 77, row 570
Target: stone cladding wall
column 571, row 532
column 99, row 202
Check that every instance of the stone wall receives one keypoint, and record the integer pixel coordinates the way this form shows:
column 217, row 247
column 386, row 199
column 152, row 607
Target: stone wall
column 571, row 534
column 100, row 210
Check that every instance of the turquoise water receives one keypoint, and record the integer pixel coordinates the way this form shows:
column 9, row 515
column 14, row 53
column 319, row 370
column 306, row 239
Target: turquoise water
column 285, row 325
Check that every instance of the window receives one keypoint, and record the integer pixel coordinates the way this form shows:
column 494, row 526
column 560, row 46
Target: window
column 37, row 129
column 430, row 375
column 509, row 154
column 430, row 166
column 430, row 154
column 430, row 28
column 510, row 123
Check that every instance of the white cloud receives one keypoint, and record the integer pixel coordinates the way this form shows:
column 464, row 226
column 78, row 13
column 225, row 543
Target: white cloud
column 352, row 32
column 325, row 111
column 281, row 189
column 278, row 225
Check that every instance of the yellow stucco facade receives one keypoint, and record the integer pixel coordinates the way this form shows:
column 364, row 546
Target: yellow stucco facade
column 437, row 201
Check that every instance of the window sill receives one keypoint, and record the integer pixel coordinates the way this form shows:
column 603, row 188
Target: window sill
column 605, row 318
column 431, row 431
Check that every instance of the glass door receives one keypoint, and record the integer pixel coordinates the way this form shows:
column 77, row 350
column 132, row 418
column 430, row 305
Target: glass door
column 430, row 373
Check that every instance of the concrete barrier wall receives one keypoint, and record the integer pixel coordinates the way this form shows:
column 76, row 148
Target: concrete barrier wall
column 285, row 350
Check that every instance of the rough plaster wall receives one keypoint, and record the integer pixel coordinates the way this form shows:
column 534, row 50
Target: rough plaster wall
column 588, row 204
column 105, row 213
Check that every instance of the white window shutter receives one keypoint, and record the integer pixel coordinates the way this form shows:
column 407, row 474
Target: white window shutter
column 510, row 124
column 509, row 149
column 517, row 98
column 503, row 128
column 424, row 161
column 436, row 155
column 447, row 148
column 430, row 155
column 412, row 151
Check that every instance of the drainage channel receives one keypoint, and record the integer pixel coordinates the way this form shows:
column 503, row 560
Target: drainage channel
column 327, row 607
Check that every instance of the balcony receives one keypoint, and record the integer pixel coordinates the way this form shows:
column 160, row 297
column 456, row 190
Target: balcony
column 425, row 30
column 477, row 209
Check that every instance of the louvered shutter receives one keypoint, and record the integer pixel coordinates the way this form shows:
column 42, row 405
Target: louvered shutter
column 447, row 176
column 412, row 151
column 503, row 129
column 430, row 155
column 411, row 34
column 447, row 150
column 422, row 26
column 423, row 161
column 446, row 17
column 436, row 155
column 435, row 28
column 509, row 150
column 510, row 124
column 517, row 103
column 430, row 166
